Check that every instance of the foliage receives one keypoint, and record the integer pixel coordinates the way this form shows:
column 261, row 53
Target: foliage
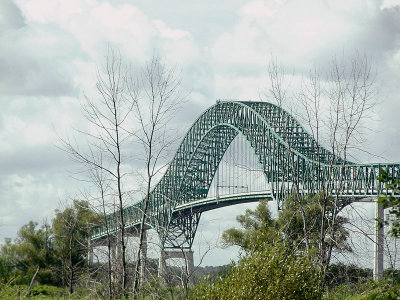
column 276, row 272
column 258, row 225
column 254, row 223
column 390, row 202
column 155, row 288
column 32, row 248
column 340, row 274
column 211, row 272
column 71, row 228
column 369, row 290
column 349, row 291
column 6, row 268
column 51, row 248
column 37, row 292
column 291, row 223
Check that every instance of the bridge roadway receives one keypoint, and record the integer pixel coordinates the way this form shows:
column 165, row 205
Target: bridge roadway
column 182, row 210
column 210, row 203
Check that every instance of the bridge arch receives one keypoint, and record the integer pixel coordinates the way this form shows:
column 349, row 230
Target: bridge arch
column 191, row 172
column 289, row 156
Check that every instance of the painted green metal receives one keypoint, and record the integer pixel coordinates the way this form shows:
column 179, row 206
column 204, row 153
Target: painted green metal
column 289, row 156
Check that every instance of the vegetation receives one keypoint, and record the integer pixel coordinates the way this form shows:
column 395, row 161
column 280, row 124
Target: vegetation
column 274, row 265
column 258, row 227
column 31, row 249
column 255, row 224
column 71, row 228
column 276, row 272
column 58, row 251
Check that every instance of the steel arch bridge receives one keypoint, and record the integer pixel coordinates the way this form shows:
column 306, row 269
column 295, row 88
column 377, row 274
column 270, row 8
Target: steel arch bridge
column 290, row 159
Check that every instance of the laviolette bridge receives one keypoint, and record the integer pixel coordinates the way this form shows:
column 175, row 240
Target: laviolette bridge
column 288, row 157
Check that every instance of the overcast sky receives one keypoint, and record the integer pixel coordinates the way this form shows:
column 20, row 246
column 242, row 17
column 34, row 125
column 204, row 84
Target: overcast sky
column 49, row 50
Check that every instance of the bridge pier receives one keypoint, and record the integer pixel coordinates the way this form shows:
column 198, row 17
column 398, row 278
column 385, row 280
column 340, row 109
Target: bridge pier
column 379, row 240
column 162, row 265
column 114, row 249
column 183, row 253
column 143, row 258
column 90, row 252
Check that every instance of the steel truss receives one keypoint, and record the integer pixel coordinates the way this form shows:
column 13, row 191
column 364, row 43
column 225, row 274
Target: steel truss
column 290, row 157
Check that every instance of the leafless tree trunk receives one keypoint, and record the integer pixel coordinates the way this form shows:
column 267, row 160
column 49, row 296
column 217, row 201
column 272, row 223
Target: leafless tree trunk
column 28, row 292
column 156, row 97
column 351, row 95
column 147, row 104
column 187, row 276
column 108, row 116
column 102, row 184
column 348, row 90
column 279, row 94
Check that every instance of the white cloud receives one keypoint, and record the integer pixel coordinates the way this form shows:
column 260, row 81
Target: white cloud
column 95, row 23
column 24, row 198
column 389, row 3
column 240, row 88
column 258, row 9
column 298, row 33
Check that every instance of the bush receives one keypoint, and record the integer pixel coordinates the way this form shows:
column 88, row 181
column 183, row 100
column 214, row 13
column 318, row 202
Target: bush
column 37, row 292
column 341, row 274
column 273, row 273
column 6, row 269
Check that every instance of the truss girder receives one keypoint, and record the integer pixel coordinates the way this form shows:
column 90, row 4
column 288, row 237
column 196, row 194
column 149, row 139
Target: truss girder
column 290, row 157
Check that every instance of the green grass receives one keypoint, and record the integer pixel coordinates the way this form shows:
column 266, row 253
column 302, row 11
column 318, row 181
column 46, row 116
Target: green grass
column 37, row 292
column 370, row 290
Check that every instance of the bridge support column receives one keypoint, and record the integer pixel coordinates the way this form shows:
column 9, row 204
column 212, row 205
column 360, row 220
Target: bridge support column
column 379, row 239
column 90, row 252
column 186, row 254
column 190, row 266
column 162, row 265
column 114, row 249
column 143, row 258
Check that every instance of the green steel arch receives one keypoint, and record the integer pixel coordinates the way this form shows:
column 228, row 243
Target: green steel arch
column 290, row 158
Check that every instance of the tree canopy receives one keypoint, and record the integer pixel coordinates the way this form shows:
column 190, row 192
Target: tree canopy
column 57, row 249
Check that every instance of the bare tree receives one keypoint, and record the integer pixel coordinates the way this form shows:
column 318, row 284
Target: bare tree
column 129, row 108
column 108, row 115
column 279, row 94
column 335, row 104
column 156, row 97
column 187, row 276
column 100, row 180
column 351, row 92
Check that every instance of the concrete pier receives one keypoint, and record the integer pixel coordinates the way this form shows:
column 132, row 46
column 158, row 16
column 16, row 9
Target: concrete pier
column 379, row 240
column 186, row 254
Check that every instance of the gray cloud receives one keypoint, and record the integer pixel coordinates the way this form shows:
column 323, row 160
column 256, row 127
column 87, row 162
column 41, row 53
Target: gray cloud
column 10, row 16
column 35, row 59
column 34, row 160
column 33, row 66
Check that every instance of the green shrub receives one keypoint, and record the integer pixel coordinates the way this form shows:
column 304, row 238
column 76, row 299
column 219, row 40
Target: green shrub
column 37, row 292
column 6, row 269
column 370, row 290
column 273, row 273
